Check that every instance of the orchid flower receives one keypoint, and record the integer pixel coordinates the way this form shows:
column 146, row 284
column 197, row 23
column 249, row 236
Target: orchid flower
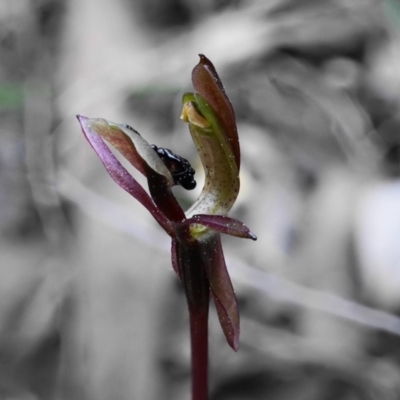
column 196, row 249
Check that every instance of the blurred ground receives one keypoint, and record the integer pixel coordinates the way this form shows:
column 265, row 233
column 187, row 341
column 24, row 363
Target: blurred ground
column 89, row 305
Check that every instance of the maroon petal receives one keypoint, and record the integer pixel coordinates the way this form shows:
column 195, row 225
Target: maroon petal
column 222, row 292
column 207, row 83
column 121, row 176
column 131, row 145
column 174, row 257
column 163, row 197
column 223, row 224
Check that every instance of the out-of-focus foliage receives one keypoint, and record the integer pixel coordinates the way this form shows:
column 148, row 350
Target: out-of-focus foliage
column 315, row 87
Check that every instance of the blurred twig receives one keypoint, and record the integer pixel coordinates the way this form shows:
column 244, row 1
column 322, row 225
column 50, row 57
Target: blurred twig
column 38, row 119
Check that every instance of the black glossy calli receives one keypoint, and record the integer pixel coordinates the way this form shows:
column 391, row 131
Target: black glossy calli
column 180, row 168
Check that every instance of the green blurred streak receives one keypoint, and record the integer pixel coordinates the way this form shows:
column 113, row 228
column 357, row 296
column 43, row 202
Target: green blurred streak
column 11, row 96
column 392, row 10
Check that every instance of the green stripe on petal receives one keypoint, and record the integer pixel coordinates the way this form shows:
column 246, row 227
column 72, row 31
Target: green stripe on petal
column 222, row 183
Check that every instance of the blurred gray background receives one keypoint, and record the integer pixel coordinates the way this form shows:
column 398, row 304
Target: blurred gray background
column 90, row 308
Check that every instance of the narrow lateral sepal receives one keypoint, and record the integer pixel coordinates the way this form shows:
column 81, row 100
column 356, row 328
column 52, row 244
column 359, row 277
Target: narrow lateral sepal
column 222, row 290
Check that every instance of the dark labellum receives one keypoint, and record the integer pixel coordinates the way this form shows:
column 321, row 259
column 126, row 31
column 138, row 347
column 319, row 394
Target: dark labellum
column 180, row 168
column 130, row 128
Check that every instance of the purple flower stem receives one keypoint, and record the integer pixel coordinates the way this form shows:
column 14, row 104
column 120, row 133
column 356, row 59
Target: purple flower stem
column 191, row 259
column 199, row 343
